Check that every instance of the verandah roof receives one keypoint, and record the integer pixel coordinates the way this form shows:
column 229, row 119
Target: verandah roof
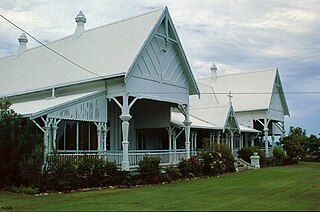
column 37, row 108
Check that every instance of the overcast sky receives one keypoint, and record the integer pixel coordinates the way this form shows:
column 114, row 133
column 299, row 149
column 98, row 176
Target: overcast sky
column 237, row 36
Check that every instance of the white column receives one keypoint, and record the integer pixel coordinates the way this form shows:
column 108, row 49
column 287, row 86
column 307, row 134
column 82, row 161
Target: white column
column 174, row 147
column 192, row 143
column 99, row 137
column 273, row 142
column 231, row 141
column 54, row 139
column 187, row 124
column 266, row 132
column 125, row 117
column 283, row 134
column 170, row 133
column 104, row 137
column 252, row 140
column 46, row 139
column 218, row 138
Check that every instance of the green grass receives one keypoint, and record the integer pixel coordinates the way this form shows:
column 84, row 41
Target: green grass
column 295, row 187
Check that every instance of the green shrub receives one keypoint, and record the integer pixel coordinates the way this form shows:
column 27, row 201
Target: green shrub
column 61, row 174
column 279, row 155
column 190, row 168
column 123, row 178
column 94, row 172
column 218, row 159
column 149, row 168
column 18, row 139
column 64, row 174
column 31, row 169
column 291, row 145
column 173, row 173
column 22, row 190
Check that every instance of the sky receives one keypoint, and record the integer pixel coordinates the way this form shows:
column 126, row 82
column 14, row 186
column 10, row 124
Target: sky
column 238, row 36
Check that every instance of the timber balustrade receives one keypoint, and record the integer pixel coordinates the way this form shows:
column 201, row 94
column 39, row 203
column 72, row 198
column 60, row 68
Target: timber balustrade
column 167, row 157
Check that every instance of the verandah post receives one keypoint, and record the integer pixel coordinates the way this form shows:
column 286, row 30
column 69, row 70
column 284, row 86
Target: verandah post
column 125, row 117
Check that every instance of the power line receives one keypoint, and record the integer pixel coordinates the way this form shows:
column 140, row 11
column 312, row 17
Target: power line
column 54, row 51
column 236, row 93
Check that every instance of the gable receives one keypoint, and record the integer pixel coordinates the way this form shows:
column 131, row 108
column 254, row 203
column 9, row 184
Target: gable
column 231, row 121
column 161, row 70
column 278, row 105
column 275, row 102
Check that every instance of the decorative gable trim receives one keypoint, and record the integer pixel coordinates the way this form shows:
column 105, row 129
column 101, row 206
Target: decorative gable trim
column 169, row 35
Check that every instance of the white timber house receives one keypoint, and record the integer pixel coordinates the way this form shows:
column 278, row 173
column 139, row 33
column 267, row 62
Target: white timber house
column 126, row 90
column 256, row 101
column 107, row 91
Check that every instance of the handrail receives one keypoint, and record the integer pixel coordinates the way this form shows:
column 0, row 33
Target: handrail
column 245, row 162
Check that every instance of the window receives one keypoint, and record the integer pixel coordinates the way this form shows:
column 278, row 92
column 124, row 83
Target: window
column 73, row 135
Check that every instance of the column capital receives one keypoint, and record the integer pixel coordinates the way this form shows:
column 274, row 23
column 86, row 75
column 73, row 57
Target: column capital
column 187, row 122
column 126, row 117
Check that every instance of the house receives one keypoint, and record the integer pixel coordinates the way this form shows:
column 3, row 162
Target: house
column 256, row 103
column 125, row 90
column 105, row 92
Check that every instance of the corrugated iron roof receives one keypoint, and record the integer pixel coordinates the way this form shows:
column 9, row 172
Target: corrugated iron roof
column 33, row 107
column 107, row 51
column 251, row 91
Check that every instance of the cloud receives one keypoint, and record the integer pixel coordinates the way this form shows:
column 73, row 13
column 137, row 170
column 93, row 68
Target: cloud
column 235, row 35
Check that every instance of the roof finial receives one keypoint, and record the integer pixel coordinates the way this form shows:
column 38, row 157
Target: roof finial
column 230, row 98
column 213, row 70
column 80, row 20
column 23, row 40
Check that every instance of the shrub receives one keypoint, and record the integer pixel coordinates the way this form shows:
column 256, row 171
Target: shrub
column 173, row 173
column 17, row 141
column 94, row 172
column 61, row 174
column 218, row 159
column 123, row 178
column 292, row 144
column 149, row 168
column 279, row 155
column 30, row 169
column 190, row 167
column 22, row 190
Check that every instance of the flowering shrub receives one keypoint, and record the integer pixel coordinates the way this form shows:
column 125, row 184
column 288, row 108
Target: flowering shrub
column 218, row 159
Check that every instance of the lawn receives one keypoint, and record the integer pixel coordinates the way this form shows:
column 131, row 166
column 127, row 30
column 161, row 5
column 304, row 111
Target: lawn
column 295, row 187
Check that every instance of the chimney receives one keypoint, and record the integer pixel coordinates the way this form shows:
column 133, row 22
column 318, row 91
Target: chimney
column 213, row 70
column 80, row 20
column 23, row 40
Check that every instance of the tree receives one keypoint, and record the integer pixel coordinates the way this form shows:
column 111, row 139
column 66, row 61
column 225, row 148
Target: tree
column 294, row 142
column 17, row 142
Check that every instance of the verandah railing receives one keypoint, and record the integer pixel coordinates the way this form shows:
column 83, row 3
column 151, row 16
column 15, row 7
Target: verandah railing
column 167, row 157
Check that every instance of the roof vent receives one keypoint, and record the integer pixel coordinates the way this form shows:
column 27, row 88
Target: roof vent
column 213, row 70
column 23, row 40
column 80, row 20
